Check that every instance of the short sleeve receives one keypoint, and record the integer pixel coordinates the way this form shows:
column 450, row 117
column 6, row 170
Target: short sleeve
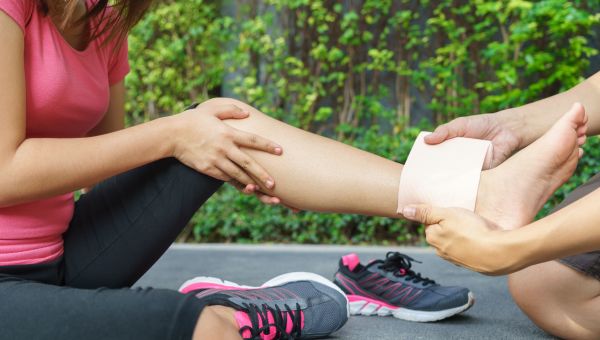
column 18, row 10
column 118, row 65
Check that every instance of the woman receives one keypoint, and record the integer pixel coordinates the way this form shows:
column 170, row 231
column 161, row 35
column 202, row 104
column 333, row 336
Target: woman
column 62, row 67
column 554, row 263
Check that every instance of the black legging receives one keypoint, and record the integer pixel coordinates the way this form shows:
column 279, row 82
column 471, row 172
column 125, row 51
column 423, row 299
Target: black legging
column 118, row 231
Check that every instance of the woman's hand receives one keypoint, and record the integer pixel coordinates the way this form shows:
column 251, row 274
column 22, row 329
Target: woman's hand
column 253, row 189
column 212, row 147
column 466, row 239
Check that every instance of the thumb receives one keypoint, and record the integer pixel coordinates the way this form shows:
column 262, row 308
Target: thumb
column 436, row 137
column 423, row 213
column 230, row 112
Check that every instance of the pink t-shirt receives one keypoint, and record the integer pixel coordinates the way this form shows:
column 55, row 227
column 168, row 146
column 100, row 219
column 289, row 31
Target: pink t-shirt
column 67, row 95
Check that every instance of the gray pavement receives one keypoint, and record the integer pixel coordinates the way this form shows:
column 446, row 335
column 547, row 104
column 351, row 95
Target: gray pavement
column 494, row 315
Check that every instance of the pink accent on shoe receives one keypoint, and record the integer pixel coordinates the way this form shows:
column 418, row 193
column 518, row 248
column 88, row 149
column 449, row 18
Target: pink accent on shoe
column 243, row 320
column 351, row 261
column 354, row 298
column 208, row 285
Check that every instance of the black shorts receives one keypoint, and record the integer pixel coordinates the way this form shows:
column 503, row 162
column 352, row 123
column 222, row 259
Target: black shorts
column 117, row 233
column 588, row 263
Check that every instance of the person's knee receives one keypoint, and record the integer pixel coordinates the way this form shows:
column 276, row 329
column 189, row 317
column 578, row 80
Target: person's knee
column 521, row 286
column 537, row 292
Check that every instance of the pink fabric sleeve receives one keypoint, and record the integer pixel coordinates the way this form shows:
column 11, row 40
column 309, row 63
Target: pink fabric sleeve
column 18, row 10
column 118, row 65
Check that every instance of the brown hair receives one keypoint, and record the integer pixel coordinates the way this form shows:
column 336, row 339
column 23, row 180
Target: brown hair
column 116, row 23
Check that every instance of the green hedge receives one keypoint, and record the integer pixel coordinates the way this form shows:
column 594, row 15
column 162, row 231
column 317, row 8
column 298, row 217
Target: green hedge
column 370, row 73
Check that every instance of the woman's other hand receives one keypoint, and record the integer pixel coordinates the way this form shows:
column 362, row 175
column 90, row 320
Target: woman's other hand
column 253, row 189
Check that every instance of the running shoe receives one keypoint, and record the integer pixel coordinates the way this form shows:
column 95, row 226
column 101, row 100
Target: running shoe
column 290, row 306
column 390, row 287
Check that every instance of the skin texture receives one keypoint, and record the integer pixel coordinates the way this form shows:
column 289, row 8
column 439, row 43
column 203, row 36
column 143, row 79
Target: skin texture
column 36, row 168
column 520, row 192
column 309, row 175
column 516, row 128
column 570, row 300
column 74, row 33
column 36, row 160
column 217, row 322
column 223, row 138
column 556, row 297
column 463, row 237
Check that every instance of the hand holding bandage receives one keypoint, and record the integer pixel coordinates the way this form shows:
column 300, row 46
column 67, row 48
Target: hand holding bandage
column 444, row 175
column 467, row 239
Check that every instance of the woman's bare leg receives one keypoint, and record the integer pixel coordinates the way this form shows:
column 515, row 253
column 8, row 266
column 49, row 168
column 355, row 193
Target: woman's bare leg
column 320, row 174
column 217, row 322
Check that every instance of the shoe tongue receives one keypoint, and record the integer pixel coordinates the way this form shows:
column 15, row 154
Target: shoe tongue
column 243, row 320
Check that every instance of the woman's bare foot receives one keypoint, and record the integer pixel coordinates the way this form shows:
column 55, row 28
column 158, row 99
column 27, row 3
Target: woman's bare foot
column 511, row 194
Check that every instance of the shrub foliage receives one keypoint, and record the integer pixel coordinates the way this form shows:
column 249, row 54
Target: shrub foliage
column 370, row 73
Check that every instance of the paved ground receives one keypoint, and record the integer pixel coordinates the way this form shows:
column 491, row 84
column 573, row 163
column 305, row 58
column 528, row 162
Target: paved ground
column 494, row 315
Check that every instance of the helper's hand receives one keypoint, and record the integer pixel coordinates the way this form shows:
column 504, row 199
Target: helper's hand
column 464, row 238
column 492, row 127
column 210, row 146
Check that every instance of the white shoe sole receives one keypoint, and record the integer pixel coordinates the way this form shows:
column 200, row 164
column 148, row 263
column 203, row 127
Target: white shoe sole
column 371, row 308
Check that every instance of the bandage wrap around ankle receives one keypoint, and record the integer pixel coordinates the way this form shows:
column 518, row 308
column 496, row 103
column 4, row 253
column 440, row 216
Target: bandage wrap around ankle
column 444, row 175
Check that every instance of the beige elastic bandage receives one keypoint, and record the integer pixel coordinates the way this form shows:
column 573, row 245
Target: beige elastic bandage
column 444, row 175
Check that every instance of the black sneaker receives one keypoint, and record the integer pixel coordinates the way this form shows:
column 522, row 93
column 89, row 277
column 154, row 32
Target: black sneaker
column 290, row 306
column 391, row 287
